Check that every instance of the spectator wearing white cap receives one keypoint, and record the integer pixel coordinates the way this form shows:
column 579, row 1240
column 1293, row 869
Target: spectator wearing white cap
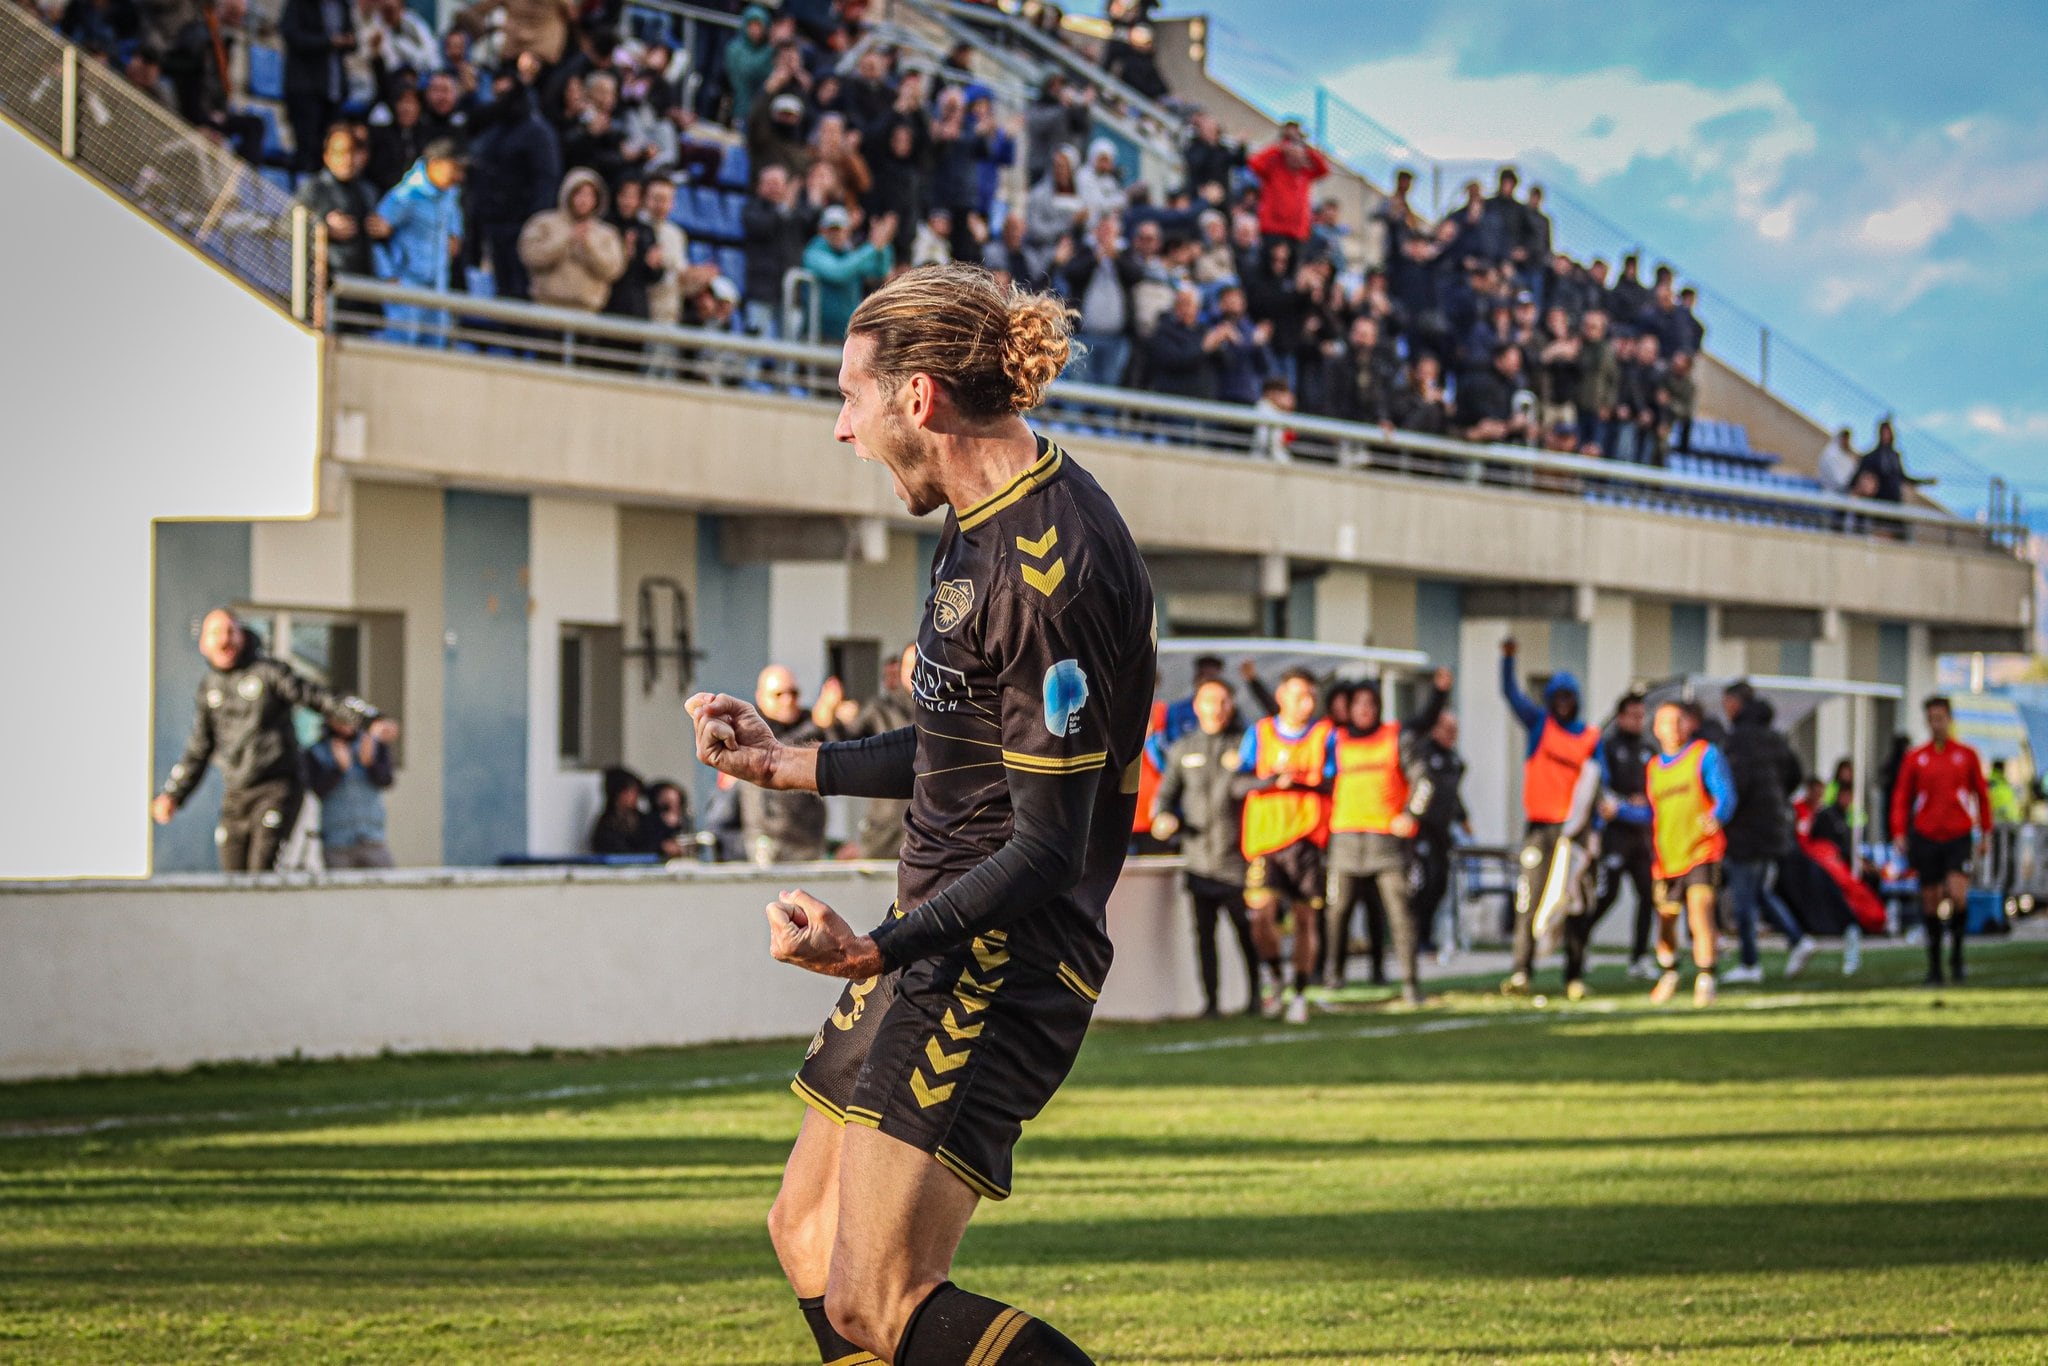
column 1100, row 184
column 842, row 267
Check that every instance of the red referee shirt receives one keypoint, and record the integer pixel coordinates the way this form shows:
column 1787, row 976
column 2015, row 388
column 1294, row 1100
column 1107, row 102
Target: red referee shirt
column 1941, row 793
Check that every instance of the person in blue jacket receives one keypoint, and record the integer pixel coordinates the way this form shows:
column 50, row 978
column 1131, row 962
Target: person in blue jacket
column 842, row 268
column 424, row 210
column 1626, row 750
column 1560, row 745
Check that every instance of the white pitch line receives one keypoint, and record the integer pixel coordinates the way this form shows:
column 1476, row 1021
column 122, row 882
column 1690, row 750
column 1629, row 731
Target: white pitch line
column 114, row 1122
column 1301, row 1036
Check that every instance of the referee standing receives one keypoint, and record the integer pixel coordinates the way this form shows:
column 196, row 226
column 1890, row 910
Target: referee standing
column 967, row 1005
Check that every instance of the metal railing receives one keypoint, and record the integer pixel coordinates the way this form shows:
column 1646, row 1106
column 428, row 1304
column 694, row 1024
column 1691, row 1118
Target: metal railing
column 154, row 160
column 699, row 357
column 1145, row 124
column 1740, row 339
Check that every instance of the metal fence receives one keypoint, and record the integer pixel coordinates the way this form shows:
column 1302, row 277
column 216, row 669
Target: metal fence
column 510, row 330
column 145, row 153
column 1739, row 338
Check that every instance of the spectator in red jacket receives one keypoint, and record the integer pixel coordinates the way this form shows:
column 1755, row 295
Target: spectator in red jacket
column 1287, row 171
column 1940, row 802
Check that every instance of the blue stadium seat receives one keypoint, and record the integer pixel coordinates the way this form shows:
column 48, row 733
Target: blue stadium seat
column 733, row 207
column 733, row 172
column 707, row 211
column 266, row 73
column 273, row 130
column 1738, row 439
column 732, row 264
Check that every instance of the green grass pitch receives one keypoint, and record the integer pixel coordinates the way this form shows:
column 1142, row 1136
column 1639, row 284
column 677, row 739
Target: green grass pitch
column 1821, row 1171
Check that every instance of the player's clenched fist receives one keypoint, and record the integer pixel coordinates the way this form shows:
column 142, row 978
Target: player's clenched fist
column 732, row 738
column 805, row 931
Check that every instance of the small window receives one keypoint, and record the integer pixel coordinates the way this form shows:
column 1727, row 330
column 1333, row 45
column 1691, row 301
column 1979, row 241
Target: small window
column 589, row 718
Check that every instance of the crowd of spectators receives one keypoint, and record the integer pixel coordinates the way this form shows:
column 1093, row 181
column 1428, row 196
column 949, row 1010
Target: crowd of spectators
column 541, row 145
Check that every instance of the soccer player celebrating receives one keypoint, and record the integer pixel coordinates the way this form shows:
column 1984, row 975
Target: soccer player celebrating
column 1560, row 744
column 1692, row 795
column 1941, row 798
column 966, row 1007
column 1284, row 774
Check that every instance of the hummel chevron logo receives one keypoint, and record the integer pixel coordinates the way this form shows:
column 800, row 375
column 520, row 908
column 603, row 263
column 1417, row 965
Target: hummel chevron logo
column 990, row 957
column 928, row 1096
column 959, row 1032
column 943, row 1062
column 1037, row 549
column 1047, row 580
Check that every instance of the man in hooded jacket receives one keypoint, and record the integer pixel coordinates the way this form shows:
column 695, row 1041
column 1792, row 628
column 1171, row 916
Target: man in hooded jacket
column 1560, row 745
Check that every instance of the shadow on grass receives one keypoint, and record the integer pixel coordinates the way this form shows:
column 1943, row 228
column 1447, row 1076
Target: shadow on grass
column 1880, row 1346
column 1558, row 1240
column 1579, row 1048
column 1517, row 1242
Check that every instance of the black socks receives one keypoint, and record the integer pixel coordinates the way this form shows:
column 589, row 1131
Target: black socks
column 953, row 1326
column 833, row 1350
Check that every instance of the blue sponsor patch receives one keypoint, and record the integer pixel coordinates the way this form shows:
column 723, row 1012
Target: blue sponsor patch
column 1066, row 692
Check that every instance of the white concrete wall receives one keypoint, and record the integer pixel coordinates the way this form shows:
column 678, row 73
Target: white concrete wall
column 116, row 385
column 99, row 978
column 809, row 603
column 574, row 567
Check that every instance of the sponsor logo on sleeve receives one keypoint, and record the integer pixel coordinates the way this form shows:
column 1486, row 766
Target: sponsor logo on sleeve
column 1066, row 693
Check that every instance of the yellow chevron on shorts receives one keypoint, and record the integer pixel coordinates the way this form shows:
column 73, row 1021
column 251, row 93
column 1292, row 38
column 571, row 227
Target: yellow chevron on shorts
column 959, row 1032
column 856, row 1359
column 943, row 1062
column 928, row 1095
column 990, row 957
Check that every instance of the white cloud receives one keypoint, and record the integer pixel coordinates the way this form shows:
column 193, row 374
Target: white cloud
column 1992, row 422
column 1906, row 226
column 1883, row 285
column 1599, row 123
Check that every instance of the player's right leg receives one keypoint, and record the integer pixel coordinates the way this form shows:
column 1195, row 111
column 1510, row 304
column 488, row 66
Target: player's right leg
column 1669, row 903
column 802, row 1224
column 1699, row 905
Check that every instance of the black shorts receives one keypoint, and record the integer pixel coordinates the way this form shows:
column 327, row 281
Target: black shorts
column 1297, row 874
column 1933, row 860
column 1670, row 891
column 951, row 1055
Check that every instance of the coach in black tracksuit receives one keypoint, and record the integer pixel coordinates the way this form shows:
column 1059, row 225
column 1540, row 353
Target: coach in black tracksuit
column 1436, row 778
column 244, row 726
column 1625, row 839
column 1195, row 802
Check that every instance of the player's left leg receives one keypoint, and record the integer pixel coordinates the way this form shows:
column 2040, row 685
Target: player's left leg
column 901, row 1215
column 1958, row 890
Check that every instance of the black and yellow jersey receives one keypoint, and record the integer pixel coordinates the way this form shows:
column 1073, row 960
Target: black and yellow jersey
column 1035, row 655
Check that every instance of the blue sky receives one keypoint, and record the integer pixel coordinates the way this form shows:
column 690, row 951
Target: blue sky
column 1871, row 181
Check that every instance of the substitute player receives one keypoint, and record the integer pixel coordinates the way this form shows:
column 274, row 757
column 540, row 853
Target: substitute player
column 1692, row 795
column 1035, row 661
column 1284, row 773
column 1940, row 801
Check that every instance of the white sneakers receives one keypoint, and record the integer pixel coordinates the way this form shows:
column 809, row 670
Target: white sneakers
column 1739, row 976
column 1642, row 970
column 1703, row 991
column 1802, row 953
column 1297, row 1008
column 1852, row 950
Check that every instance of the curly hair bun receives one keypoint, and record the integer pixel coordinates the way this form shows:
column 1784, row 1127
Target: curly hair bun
column 1037, row 339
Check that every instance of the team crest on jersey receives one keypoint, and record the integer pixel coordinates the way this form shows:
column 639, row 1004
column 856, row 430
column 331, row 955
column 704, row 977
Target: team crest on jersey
column 951, row 604
column 214, row 697
column 250, row 687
